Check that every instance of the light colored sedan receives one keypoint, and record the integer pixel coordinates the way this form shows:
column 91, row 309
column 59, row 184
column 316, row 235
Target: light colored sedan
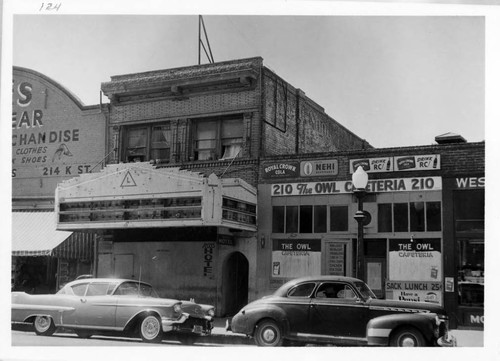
column 91, row 306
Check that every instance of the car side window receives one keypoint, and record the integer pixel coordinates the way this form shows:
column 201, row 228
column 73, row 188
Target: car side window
column 302, row 290
column 79, row 289
column 97, row 289
column 335, row 290
column 127, row 289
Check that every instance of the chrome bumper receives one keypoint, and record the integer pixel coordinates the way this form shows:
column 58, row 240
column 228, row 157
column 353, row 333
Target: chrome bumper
column 447, row 341
column 168, row 324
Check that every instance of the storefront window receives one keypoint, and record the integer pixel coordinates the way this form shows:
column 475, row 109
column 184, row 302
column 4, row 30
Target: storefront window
column 306, row 219
column 400, row 217
column 471, row 273
column 319, row 219
column 339, row 220
column 385, row 217
column 278, row 219
column 423, row 216
column 417, row 217
column 292, row 219
column 433, row 216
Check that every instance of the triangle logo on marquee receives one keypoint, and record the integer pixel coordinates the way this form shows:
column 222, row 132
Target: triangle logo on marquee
column 128, row 181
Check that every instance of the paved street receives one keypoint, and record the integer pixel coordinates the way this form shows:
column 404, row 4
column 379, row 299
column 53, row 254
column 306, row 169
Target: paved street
column 27, row 338
column 23, row 336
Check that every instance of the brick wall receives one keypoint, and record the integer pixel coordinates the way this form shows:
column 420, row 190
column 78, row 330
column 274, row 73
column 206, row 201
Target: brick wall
column 294, row 124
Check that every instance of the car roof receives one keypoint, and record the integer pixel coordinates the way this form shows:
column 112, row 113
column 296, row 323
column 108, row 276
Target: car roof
column 325, row 279
column 114, row 280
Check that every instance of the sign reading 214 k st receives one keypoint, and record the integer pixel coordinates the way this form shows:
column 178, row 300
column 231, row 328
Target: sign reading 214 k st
column 54, row 137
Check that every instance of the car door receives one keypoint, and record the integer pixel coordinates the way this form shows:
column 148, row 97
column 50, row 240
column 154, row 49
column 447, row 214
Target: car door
column 296, row 306
column 337, row 311
column 97, row 308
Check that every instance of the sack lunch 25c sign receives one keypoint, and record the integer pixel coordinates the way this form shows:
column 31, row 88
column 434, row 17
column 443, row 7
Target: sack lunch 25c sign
column 339, row 187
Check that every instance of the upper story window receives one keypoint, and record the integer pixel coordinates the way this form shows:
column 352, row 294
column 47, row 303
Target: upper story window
column 148, row 142
column 218, row 138
column 409, row 217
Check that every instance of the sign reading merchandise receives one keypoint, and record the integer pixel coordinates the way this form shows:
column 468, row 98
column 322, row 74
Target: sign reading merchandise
column 415, row 270
column 296, row 258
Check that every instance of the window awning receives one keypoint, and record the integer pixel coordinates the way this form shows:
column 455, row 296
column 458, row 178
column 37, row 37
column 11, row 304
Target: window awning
column 35, row 234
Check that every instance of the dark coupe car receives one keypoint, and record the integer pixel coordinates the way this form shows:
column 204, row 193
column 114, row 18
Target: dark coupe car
column 343, row 311
column 90, row 306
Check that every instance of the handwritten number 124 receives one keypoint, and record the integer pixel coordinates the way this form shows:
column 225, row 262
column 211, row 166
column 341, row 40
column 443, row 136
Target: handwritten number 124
column 50, row 6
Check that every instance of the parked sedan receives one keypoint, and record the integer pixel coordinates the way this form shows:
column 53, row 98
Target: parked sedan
column 340, row 310
column 91, row 306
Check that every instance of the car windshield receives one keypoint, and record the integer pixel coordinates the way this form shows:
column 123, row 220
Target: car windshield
column 365, row 291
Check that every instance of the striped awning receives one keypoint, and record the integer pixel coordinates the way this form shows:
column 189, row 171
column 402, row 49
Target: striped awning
column 35, row 234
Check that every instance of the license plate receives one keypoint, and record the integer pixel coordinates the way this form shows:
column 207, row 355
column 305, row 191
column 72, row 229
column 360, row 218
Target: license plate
column 198, row 329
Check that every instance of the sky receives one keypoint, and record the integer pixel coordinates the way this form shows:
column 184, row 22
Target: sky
column 392, row 80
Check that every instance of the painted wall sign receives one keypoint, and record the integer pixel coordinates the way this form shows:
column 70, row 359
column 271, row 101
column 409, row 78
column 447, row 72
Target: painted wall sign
column 325, row 167
column 417, row 162
column 415, row 260
column 470, row 182
column 281, row 170
column 372, row 165
column 390, row 164
column 53, row 138
column 296, row 258
column 339, row 187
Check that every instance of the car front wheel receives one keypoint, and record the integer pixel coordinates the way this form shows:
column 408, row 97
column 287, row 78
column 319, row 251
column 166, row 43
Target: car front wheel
column 408, row 337
column 44, row 326
column 268, row 333
column 150, row 329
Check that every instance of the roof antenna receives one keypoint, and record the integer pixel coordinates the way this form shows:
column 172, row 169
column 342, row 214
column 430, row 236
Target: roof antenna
column 201, row 44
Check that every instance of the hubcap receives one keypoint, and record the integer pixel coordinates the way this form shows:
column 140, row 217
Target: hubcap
column 269, row 335
column 42, row 323
column 150, row 328
column 408, row 341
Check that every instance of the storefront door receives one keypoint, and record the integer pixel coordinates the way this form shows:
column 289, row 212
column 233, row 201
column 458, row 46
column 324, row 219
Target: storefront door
column 375, row 275
column 124, row 266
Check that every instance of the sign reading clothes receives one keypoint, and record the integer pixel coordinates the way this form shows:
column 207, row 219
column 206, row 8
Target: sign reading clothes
column 54, row 137
column 296, row 258
column 415, row 270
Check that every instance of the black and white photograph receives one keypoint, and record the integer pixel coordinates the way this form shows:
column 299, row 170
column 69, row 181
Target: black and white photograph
column 226, row 176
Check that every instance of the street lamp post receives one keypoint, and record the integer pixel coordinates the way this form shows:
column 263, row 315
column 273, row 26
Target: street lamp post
column 360, row 181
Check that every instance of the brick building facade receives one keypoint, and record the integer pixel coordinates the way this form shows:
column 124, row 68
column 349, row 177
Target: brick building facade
column 423, row 242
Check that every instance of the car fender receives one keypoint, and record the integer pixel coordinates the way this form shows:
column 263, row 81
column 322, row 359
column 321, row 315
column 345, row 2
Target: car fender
column 266, row 311
column 380, row 329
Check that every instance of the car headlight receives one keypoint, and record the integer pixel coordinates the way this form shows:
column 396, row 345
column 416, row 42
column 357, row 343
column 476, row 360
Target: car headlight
column 211, row 312
column 177, row 308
